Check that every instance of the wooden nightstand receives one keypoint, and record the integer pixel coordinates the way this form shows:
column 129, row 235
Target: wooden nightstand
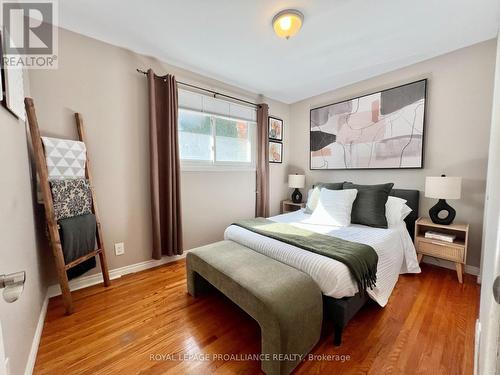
column 288, row 206
column 455, row 251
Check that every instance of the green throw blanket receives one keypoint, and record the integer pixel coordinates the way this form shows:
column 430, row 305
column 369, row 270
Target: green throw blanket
column 361, row 259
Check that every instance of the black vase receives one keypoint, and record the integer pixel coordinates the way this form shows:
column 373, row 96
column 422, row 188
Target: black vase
column 441, row 205
column 296, row 196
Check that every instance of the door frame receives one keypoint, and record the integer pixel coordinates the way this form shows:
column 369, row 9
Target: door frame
column 489, row 311
column 3, row 359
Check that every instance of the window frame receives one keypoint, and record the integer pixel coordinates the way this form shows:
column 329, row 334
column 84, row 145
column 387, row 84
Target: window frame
column 213, row 164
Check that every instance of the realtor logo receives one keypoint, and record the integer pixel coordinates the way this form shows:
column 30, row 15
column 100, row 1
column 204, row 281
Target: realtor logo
column 29, row 34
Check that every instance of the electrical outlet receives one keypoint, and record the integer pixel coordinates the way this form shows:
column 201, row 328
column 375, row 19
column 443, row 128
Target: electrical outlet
column 119, row 248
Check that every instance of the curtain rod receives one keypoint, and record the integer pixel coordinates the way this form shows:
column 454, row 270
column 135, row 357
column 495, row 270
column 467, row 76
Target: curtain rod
column 214, row 93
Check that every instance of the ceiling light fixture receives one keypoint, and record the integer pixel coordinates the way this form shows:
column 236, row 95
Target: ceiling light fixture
column 287, row 23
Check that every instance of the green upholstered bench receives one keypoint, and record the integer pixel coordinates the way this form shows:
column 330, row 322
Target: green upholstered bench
column 285, row 302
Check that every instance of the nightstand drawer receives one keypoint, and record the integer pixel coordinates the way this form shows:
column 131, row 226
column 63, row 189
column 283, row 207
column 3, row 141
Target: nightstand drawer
column 441, row 250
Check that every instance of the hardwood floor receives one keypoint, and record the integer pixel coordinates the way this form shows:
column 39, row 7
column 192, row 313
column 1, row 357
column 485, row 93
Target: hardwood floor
column 427, row 328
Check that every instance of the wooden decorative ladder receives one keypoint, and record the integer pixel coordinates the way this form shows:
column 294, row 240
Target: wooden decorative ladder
column 50, row 217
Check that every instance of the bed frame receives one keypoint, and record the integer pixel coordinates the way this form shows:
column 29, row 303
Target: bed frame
column 342, row 310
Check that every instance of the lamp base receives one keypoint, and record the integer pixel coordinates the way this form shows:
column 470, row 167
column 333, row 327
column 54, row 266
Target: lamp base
column 441, row 205
column 296, row 196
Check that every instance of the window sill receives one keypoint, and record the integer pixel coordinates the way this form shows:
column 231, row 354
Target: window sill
column 216, row 168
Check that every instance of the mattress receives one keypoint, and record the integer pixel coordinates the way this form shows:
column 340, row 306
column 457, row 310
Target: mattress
column 396, row 255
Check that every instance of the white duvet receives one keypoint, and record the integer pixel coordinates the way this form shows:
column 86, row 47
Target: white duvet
column 396, row 255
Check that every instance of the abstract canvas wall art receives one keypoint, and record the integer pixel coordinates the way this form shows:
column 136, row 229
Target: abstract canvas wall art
column 384, row 130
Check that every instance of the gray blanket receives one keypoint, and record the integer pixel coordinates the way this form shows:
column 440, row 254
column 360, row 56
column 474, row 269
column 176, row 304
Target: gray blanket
column 78, row 237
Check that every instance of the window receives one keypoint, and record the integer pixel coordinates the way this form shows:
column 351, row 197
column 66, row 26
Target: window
column 211, row 141
column 195, row 136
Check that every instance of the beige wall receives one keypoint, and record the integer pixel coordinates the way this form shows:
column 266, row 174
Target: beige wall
column 100, row 81
column 459, row 97
column 19, row 250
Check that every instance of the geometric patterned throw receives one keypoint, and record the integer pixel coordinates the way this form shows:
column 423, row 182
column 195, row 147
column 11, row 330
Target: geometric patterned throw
column 65, row 158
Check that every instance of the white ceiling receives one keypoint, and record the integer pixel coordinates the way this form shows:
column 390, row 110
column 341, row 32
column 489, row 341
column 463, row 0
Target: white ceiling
column 341, row 42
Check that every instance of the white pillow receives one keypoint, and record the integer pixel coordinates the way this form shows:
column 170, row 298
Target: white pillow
column 312, row 200
column 334, row 207
column 396, row 211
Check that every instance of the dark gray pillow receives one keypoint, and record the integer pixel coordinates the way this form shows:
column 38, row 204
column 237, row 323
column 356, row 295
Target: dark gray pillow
column 369, row 207
column 331, row 185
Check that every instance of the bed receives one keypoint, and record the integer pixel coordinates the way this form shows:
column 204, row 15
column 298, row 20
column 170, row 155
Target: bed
column 342, row 299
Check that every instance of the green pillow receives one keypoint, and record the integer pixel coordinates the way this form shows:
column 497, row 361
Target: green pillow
column 369, row 207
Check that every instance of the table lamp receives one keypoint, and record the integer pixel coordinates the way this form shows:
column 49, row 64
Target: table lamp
column 443, row 188
column 297, row 181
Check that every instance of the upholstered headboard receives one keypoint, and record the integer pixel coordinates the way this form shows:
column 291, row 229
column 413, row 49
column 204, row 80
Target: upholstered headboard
column 412, row 200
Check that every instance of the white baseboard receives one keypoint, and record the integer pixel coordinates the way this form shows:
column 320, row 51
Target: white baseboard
column 471, row 270
column 30, row 364
column 83, row 282
column 86, row 281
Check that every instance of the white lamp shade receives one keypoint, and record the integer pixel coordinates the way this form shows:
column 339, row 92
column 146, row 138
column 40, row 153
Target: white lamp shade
column 443, row 187
column 296, row 181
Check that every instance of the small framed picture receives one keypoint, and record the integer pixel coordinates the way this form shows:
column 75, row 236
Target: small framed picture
column 275, row 128
column 11, row 87
column 275, row 152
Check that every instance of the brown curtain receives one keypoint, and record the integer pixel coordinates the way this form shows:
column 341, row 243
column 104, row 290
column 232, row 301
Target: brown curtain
column 262, row 193
column 165, row 166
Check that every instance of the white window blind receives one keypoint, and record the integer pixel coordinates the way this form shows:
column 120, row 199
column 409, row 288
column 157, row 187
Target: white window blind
column 215, row 134
column 207, row 104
